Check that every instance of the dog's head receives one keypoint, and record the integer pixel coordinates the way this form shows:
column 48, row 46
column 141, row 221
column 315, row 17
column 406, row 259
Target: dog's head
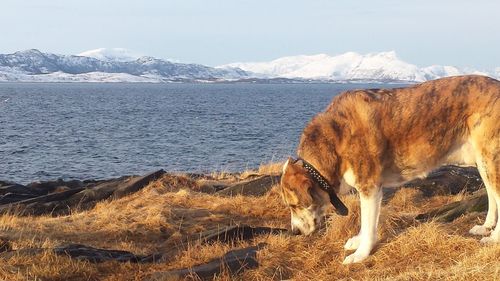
column 308, row 203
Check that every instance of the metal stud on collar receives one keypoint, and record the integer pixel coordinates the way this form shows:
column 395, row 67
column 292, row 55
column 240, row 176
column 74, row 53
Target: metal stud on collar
column 315, row 174
column 340, row 208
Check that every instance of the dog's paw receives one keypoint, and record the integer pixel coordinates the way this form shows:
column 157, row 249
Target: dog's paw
column 490, row 240
column 480, row 230
column 352, row 243
column 355, row 258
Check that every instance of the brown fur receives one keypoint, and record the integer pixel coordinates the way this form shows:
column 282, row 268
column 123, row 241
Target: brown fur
column 369, row 139
column 405, row 131
column 300, row 195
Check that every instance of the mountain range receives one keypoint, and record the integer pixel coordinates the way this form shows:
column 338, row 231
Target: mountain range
column 121, row 65
column 105, row 66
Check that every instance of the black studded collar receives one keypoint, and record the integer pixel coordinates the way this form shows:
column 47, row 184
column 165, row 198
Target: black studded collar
column 340, row 208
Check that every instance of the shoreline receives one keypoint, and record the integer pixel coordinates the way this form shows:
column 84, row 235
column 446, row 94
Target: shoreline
column 163, row 225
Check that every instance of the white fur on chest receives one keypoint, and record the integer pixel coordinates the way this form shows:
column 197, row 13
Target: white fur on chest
column 347, row 182
column 349, row 177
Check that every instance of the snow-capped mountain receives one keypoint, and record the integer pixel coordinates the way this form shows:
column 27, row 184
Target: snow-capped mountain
column 112, row 54
column 35, row 66
column 121, row 65
column 351, row 66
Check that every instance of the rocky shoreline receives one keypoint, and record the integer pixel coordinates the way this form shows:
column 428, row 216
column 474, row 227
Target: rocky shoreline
column 57, row 198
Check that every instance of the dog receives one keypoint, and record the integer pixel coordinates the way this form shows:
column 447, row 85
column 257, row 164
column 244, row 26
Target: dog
column 369, row 139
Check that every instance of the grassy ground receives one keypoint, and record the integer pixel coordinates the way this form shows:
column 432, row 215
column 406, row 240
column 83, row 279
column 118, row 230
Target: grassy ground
column 165, row 212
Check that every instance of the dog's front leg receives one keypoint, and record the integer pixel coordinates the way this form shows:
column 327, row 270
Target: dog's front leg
column 367, row 237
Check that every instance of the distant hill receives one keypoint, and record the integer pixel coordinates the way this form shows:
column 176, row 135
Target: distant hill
column 384, row 66
column 121, row 65
column 35, row 66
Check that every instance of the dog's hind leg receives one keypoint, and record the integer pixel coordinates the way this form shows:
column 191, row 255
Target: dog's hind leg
column 491, row 216
column 486, row 144
column 367, row 237
column 487, row 173
column 489, row 168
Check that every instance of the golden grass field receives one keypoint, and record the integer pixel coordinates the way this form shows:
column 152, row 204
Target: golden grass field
column 171, row 208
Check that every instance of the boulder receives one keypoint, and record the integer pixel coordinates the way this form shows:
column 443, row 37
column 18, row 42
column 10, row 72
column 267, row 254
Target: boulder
column 478, row 202
column 253, row 187
column 5, row 245
column 41, row 204
column 448, row 180
column 80, row 195
column 136, row 184
column 236, row 232
column 13, row 192
column 95, row 255
column 235, row 262
column 51, row 186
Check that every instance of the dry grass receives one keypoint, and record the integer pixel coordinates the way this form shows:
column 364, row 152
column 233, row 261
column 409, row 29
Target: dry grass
column 269, row 168
column 164, row 213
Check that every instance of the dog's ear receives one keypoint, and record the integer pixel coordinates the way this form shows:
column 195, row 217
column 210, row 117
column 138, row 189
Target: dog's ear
column 297, row 181
column 290, row 162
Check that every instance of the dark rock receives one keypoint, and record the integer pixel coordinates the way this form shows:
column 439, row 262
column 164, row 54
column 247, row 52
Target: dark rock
column 12, row 193
column 81, row 252
column 5, row 245
column 236, row 232
column 207, row 188
column 51, row 186
column 61, row 203
column 210, row 187
column 95, row 255
column 198, row 176
column 52, row 197
column 254, row 187
column 6, row 183
column 114, row 189
column 87, row 198
column 235, row 262
column 448, row 180
column 8, row 198
column 223, row 234
column 476, row 203
column 8, row 187
column 135, row 185
column 36, row 205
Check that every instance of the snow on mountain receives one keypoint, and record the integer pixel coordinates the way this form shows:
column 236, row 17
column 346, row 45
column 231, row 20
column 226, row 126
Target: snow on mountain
column 83, row 77
column 120, row 65
column 384, row 66
column 35, row 66
column 111, row 54
column 437, row 71
column 497, row 72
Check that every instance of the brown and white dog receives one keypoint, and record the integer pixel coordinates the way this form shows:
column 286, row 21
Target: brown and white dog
column 369, row 139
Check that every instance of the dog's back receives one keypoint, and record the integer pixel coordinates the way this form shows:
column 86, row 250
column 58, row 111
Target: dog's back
column 405, row 132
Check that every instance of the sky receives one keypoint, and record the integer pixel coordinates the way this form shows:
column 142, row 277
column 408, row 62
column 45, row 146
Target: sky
column 461, row 33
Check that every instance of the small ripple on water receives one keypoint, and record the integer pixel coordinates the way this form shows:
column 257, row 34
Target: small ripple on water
column 79, row 131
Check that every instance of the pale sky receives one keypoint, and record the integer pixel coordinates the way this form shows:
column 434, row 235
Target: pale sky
column 422, row 32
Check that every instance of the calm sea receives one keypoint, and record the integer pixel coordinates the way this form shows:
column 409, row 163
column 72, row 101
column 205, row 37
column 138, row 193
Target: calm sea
column 81, row 131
